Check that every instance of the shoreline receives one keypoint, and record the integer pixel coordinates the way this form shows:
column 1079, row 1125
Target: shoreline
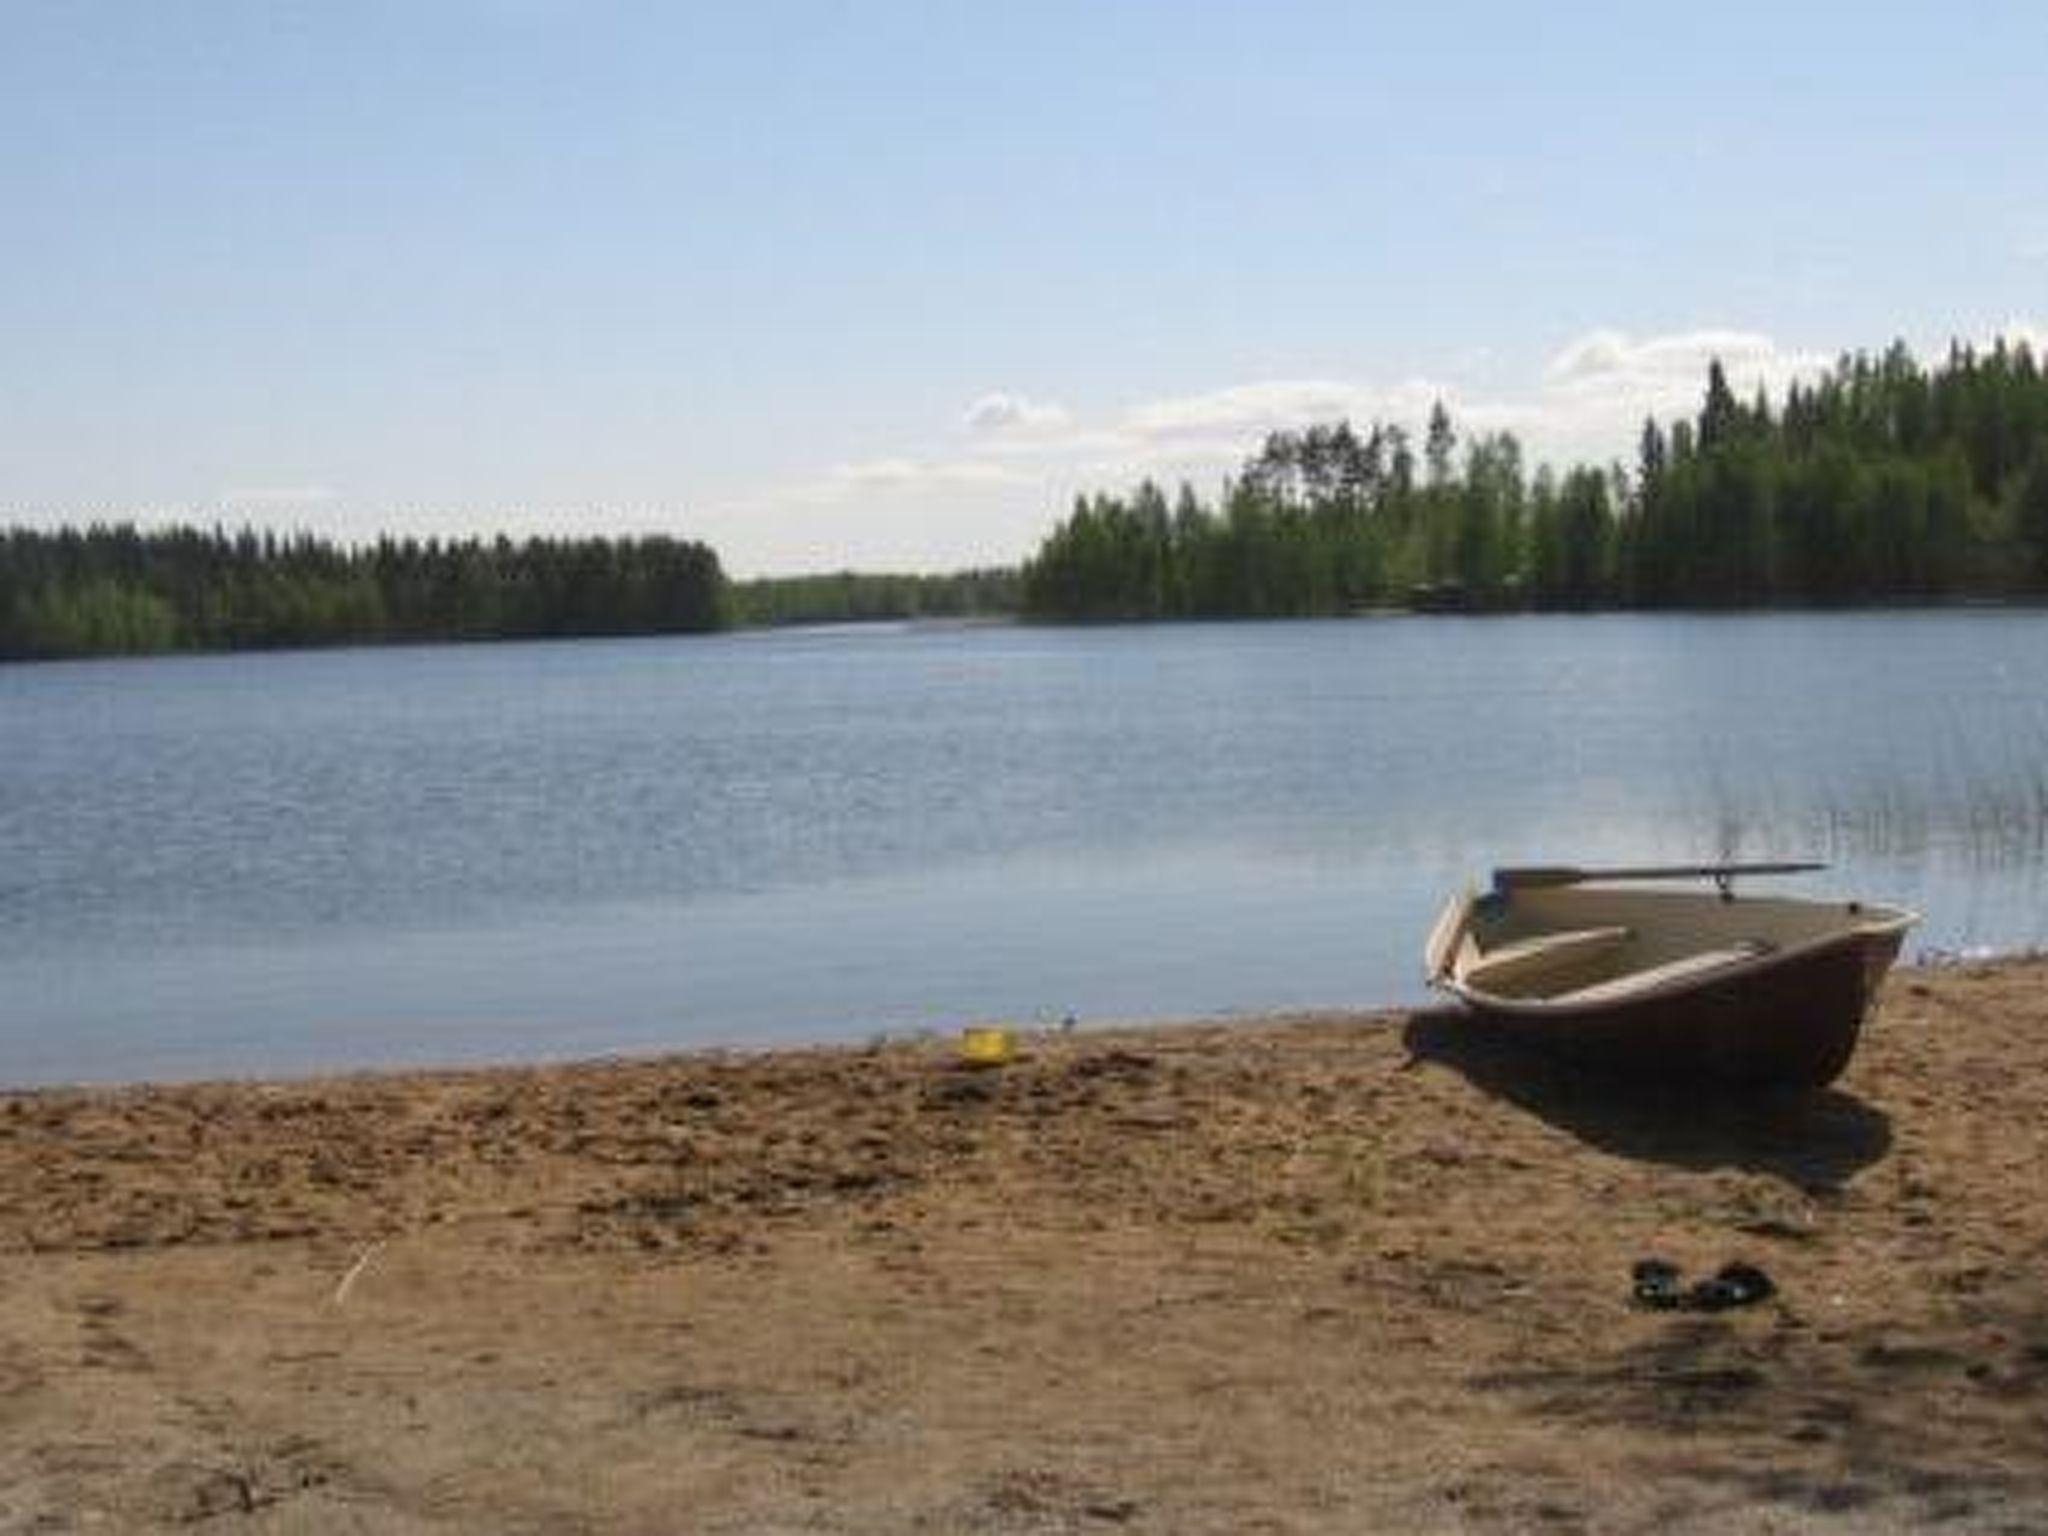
column 936, row 1038
column 1325, row 1273
column 2024, row 602
column 929, row 1037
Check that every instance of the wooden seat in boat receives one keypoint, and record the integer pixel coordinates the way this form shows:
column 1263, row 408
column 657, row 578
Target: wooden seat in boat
column 1545, row 954
column 1684, row 968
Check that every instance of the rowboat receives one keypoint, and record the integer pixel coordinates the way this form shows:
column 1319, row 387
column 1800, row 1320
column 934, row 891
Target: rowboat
column 1679, row 983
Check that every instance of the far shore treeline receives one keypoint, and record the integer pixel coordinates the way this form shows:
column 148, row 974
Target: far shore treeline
column 1885, row 481
column 1882, row 482
column 117, row 590
column 850, row 597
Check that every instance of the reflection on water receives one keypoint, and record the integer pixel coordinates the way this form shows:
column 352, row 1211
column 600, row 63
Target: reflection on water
column 260, row 864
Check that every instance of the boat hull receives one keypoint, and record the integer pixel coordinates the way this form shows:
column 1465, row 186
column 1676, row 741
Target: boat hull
column 1790, row 1021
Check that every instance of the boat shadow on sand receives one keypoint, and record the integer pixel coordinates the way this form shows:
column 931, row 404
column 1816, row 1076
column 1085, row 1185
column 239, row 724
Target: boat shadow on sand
column 1816, row 1140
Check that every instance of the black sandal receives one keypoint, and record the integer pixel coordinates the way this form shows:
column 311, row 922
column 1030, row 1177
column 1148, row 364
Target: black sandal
column 1737, row 1285
column 1657, row 1285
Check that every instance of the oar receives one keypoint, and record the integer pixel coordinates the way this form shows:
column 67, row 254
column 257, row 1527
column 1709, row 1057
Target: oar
column 1530, row 876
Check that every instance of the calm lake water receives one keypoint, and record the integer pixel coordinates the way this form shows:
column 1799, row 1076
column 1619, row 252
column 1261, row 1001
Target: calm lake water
column 273, row 864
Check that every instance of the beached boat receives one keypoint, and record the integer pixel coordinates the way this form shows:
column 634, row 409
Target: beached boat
column 1760, row 991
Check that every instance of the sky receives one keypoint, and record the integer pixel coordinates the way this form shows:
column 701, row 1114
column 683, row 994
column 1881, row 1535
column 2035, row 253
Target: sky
column 882, row 287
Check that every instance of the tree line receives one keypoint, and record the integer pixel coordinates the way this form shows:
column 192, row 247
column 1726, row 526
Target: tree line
column 107, row 590
column 1882, row 481
column 851, row 597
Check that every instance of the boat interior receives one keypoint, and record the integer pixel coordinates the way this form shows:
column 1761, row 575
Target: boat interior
column 1588, row 944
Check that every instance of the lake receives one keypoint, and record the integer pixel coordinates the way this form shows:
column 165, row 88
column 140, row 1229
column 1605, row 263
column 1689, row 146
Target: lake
column 269, row 864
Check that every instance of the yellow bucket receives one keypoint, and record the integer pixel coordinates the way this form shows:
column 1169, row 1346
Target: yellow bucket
column 987, row 1046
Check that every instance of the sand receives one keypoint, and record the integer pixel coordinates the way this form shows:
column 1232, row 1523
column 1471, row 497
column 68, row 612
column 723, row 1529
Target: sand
column 1329, row 1274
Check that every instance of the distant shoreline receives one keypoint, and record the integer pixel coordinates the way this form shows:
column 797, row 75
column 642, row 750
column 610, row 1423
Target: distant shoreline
column 941, row 625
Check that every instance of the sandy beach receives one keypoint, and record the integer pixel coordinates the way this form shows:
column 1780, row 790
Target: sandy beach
column 1294, row 1275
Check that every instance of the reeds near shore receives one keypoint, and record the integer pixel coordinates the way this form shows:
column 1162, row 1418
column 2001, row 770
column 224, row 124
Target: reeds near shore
column 1972, row 803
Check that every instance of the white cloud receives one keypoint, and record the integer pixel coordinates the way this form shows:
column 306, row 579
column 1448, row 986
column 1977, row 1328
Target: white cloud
column 897, row 476
column 1597, row 389
column 2033, row 334
column 1229, row 423
column 1612, row 363
column 1245, row 408
column 1608, row 354
column 266, row 497
column 907, row 471
column 899, row 512
column 1000, row 412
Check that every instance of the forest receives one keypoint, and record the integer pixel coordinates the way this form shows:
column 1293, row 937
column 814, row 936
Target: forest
column 1884, row 481
column 117, row 590
column 852, row 597
column 121, row 591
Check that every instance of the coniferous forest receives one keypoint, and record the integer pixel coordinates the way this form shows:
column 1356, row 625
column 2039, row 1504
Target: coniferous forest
column 1883, row 482
column 1886, row 481
column 856, row 597
column 117, row 590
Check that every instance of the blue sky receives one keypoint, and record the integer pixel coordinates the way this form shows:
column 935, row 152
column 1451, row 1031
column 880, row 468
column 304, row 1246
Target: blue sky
column 882, row 286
